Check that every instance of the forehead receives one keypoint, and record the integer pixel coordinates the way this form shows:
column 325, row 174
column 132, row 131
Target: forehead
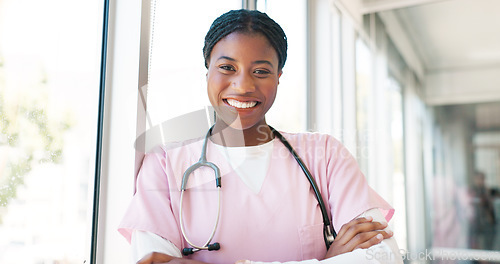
column 240, row 45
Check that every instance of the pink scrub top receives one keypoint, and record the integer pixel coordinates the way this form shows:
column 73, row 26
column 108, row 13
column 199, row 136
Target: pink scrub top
column 282, row 222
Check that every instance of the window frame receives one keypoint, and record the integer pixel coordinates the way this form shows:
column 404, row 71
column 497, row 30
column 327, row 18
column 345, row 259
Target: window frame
column 119, row 128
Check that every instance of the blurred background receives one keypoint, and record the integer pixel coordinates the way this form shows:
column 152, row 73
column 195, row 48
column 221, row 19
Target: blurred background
column 411, row 87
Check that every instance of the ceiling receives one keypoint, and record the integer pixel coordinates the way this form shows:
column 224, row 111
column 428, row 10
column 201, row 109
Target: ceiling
column 455, row 34
column 448, row 34
column 451, row 35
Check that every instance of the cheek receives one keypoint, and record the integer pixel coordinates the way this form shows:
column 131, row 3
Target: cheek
column 214, row 87
column 215, row 79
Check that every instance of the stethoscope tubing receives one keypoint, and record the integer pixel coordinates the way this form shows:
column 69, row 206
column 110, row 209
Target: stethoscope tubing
column 330, row 233
column 206, row 245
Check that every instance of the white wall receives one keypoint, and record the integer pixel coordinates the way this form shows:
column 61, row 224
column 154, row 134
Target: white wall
column 351, row 7
column 463, row 86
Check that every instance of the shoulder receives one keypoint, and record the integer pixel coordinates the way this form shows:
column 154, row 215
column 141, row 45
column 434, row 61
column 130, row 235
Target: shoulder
column 319, row 147
column 165, row 158
column 312, row 139
column 176, row 146
column 173, row 152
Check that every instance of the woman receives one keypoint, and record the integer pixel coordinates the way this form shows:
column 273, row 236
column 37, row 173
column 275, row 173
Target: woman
column 268, row 211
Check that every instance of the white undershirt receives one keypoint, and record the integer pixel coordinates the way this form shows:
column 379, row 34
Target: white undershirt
column 251, row 165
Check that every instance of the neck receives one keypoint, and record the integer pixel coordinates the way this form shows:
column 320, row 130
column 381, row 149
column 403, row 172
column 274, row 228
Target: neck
column 224, row 135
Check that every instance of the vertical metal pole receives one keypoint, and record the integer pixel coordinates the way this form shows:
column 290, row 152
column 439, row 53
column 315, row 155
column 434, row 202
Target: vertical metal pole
column 249, row 4
column 142, row 98
column 100, row 121
column 311, row 65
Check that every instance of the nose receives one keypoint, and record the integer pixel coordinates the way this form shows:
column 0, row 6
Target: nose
column 243, row 83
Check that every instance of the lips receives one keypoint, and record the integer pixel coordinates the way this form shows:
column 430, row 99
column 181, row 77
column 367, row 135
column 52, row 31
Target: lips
column 241, row 104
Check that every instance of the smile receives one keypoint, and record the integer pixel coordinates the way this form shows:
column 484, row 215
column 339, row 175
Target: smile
column 239, row 104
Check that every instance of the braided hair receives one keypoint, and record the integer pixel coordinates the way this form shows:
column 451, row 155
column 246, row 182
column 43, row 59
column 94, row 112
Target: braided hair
column 246, row 21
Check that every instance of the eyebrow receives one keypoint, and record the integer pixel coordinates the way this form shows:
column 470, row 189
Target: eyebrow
column 255, row 62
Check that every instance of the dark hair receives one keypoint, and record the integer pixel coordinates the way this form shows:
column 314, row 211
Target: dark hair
column 246, row 21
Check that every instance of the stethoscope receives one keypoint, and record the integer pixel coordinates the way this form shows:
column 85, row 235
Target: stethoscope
column 329, row 233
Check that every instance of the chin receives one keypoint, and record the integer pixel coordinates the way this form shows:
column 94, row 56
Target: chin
column 238, row 125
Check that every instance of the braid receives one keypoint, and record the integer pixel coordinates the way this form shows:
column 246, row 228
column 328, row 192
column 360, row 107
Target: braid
column 246, row 21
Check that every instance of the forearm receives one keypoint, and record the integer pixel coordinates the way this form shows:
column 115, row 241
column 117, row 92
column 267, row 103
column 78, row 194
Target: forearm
column 378, row 254
column 357, row 256
column 143, row 243
column 386, row 252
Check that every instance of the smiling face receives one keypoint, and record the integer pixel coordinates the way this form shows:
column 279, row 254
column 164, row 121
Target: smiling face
column 242, row 79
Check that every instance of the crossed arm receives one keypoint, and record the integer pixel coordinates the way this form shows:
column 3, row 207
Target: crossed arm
column 364, row 232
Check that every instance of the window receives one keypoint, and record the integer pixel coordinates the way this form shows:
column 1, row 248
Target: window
column 395, row 152
column 485, row 188
column 364, row 102
column 49, row 85
column 289, row 109
column 465, row 200
column 379, row 122
column 177, row 73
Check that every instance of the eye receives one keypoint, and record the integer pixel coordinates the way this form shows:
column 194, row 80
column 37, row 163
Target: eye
column 262, row 72
column 226, row 68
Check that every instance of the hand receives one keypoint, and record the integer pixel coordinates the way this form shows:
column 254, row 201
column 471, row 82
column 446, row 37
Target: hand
column 157, row 258
column 358, row 233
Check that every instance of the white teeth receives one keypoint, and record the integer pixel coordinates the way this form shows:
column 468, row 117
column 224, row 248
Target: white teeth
column 239, row 104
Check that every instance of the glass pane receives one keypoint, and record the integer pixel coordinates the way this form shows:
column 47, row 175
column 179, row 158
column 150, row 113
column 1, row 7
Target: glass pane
column 364, row 100
column 380, row 152
column 289, row 110
column 395, row 159
column 466, row 196
column 485, row 194
column 49, row 83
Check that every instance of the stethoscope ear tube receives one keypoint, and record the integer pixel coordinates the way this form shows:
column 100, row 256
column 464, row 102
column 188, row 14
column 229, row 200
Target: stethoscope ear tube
column 202, row 162
column 207, row 245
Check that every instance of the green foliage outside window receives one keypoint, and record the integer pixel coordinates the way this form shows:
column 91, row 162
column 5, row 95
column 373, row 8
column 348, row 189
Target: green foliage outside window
column 28, row 136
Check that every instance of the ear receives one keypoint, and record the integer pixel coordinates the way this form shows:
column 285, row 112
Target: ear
column 279, row 75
